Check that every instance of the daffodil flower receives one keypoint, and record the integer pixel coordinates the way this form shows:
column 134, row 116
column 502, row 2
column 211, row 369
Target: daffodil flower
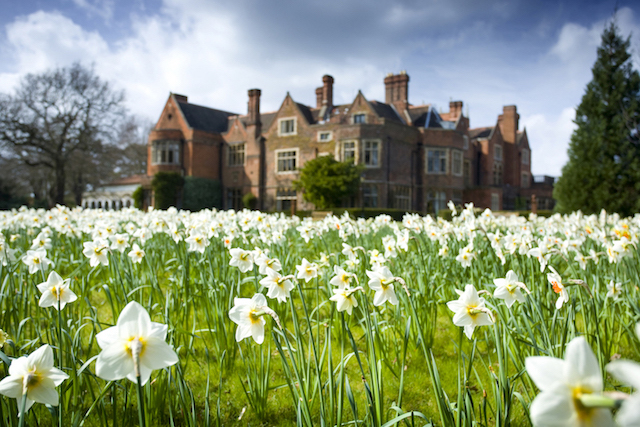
column 470, row 310
column 36, row 260
column 509, row 289
column 279, row 286
column 342, row 278
column 134, row 347
column 345, row 298
column 558, row 287
column 248, row 314
column 307, row 270
column 97, row 252
column 136, row 254
column 381, row 281
column 55, row 292
column 568, row 388
column 628, row 373
column 35, row 376
column 241, row 259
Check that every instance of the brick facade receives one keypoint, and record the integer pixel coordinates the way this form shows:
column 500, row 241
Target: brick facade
column 415, row 157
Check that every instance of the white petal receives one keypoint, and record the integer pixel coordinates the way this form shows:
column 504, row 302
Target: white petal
column 114, row 363
column 629, row 413
column 45, row 392
column 42, row 358
column 625, row 371
column 48, row 299
column 257, row 331
column 581, row 365
column 553, row 408
column 462, row 318
column 134, row 321
column 107, row 337
column 158, row 330
column 11, row 387
column 158, row 354
column 57, row 376
column 512, row 277
column 546, row 372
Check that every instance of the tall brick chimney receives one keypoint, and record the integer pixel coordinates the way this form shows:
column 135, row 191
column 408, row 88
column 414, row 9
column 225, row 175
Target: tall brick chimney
column 254, row 107
column 455, row 110
column 327, row 91
column 319, row 97
column 180, row 98
column 509, row 122
column 397, row 90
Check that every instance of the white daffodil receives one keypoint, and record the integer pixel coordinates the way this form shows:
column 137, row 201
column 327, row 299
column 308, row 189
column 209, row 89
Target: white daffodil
column 279, row 286
column 614, row 290
column 248, row 314
column 55, row 291
column 345, row 299
column 466, row 256
column 556, row 282
column 350, row 252
column 628, row 373
column 136, row 254
column 35, row 376
column 509, row 289
column 264, row 262
column 381, row 281
column 97, row 252
column 342, row 278
column 307, row 270
column 470, row 310
column 567, row 388
column 36, row 260
column 241, row 259
column 119, row 242
column 41, row 242
column 135, row 346
column 197, row 242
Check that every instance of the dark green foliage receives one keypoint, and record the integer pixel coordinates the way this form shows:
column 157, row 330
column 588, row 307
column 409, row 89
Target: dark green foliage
column 249, row 200
column 603, row 170
column 326, row 182
column 201, row 193
column 138, row 198
column 166, row 189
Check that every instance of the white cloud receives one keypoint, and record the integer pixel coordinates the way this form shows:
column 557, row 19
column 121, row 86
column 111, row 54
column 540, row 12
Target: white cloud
column 550, row 140
column 215, row 51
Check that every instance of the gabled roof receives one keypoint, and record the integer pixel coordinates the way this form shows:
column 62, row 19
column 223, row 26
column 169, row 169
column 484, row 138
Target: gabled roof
column 205, row 118
column 306, row 112
column 385, row 111
column 419, row 114
column 481, row 132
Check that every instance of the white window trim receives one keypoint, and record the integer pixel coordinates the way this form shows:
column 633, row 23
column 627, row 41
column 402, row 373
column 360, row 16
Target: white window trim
column 244, row 157
column 446, row 162
column 275, row 153
column 325, row 140
column 495, row 152
column 295, row 126
column 465, row 142
column 356, row 148
column 364, row 143
column 155, row 151
column 353, row 118
column 461, row 163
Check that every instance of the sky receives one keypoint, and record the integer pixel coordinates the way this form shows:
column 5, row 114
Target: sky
column 535, row 55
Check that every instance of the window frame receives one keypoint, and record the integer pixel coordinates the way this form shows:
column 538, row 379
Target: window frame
column 370, row 195
column 232, row 149
column 296, row 159
column 402, row 197
column 460, row 162
column 355, row 150
column 495, row 202
column 285, row 195
column 498, row 152
column 378, row 156
column 169, row 149
column 357, row 121
column 525, row 183
column 444, row 158
column 322, row 132
column 286, row 119
column 527, row 157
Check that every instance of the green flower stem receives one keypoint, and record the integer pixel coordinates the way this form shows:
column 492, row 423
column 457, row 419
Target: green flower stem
column 60, row 341
column 23, row 409
column 141, row 417
column 592, row 400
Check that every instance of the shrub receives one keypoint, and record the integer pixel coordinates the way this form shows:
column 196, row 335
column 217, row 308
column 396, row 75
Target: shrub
column 201, row 193
column 166, row 189
column 138, row 198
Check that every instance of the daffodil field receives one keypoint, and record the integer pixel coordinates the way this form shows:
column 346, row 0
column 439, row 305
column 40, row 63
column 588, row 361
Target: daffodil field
column 172, row 318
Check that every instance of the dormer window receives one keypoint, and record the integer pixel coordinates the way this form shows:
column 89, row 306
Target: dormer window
column 287, row 127
column 359, row 118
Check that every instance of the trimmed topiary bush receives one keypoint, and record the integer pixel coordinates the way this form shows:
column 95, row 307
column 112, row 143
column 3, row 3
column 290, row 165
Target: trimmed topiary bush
column 166, row 189
column 201, row 193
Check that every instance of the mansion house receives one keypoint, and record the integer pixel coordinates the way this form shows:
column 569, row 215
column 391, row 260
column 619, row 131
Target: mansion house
column 415, row 158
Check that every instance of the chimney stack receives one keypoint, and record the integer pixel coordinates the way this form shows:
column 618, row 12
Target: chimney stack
column 254, row 107
column 319, row 96
column 455, row 110
column 509, row 122
column 327, row 91
column 180, row 98
column 397, row 90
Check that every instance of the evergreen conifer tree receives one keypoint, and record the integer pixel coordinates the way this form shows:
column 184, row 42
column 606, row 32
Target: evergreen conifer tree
column 603, row 171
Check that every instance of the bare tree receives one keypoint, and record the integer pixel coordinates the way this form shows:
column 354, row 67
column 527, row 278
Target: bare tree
column 58, row 115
